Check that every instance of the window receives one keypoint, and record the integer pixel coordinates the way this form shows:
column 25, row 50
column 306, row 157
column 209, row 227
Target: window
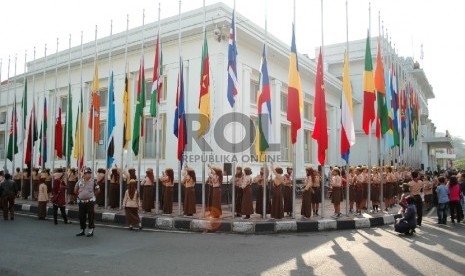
column 2, row 145
column 286, row 149
column 307, row 146
column 308, row 111
column 64, row 104
column 150, row 143
column 283, row 102
column 2, row 117
column 148, row 90
column 253, row 91
column 101, row 151
column 103, row 97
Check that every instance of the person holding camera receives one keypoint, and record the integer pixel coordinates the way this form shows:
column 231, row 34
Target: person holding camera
column 58, row 196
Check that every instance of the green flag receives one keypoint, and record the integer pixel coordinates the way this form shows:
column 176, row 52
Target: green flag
column 138, row 130
column 68, row 133
column 13, row 137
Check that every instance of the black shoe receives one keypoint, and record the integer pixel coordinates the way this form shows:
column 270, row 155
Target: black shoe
column 140, row 227
column 80, row 234
column 91, row 233
column 130, row 228
column 12, row 218
column 55, row 222
column 67, row 222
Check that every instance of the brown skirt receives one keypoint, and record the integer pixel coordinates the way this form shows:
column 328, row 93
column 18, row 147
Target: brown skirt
column 215, row 207
column 247, row 201
column 336, row 195
column 351, row 192
column 259, row 201
column 238, row 201
column 148, row 202
column 365, row 191
column 168, row 200
column 132, row 215
column 316, row 196
column 375, row 190
column 306, row 209
column 114, row 195
column 287, row 196
column 388, row 190
column 277, row 208
column 26, row 189
column 100, row 198
column 70, row 188
column 189, row 201
column 42, row 209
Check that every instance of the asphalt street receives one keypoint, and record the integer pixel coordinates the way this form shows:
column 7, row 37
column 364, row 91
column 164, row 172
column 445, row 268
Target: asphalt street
column 32, row 247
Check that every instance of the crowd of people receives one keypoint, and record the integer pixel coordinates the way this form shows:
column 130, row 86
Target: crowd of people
column 403, row 186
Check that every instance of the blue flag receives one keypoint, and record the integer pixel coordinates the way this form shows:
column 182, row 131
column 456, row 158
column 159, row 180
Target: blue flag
column 111, row 124
column 232, row 63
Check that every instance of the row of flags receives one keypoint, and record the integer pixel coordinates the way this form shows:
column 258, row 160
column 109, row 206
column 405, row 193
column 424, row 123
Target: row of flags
column 394, row 111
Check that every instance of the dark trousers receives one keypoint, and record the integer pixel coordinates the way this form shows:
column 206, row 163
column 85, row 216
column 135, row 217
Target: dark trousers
column 8, row 203
column 419, row 206
column 86, row 210
column 62, row 211
column 455, row 211
column 442, row 212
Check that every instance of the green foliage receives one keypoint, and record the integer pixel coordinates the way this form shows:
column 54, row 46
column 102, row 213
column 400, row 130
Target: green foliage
column 459, row 147
column 459, row 164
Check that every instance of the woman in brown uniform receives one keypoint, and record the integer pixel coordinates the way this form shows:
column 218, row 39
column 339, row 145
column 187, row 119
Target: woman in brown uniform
column 35, row 183
column 147, row 185
column 167, row 180
column 17, row 180
column 262, row 187
column 26, row 189
column 375, row 188
column 306, row 210
column 351, row 184
column 100, row 198
column 216, row 178
column 277, row 208
column 364, row 203
column 391, row 180
column 316, row 196
column 72, row 179
column 237, row 181
column 336, row 194
column 189, row 192
column 42, row 198
column 247, row 197
column 287, row 191
column 358, row 190
column 113, row 200
column 131, row 204
column 48, row 180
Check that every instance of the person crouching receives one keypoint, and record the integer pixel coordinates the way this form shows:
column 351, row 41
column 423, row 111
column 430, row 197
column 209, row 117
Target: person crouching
column 131, row 204
column 408, row 223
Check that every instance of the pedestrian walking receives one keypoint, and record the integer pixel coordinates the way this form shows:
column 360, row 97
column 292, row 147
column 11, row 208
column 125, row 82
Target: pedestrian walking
column 416, row 185
column 8, row 191
column 442, row 192
column 456, row 212
column 86, row 189
column 42, row 198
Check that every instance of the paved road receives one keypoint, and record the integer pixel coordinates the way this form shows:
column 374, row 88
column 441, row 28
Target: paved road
column 32, row 247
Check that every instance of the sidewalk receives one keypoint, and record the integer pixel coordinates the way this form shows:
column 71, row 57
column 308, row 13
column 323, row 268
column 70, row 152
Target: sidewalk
column 230, row 224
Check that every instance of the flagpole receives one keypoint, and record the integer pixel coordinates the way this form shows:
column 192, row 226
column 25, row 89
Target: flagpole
column 7, row 122
column 68, row 123
column 108, row 165
column 370, row 124
column 143, row 104
column 294, row 146
column 32, row 122
column 380, row 159
column 322, row 165
column 124, row 119
column 264, row 161
column 14, row 127
column 179, row 86
column 43, row 140
column 80, row 154
column 157, row 137
column 23, row 119
column 233, row 201
column 94, row 146
column 203, row 150
column 54, row 107
column 347, row 162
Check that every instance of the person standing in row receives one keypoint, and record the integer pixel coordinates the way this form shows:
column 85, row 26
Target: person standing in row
column 48, row 180
column 189, row 191
column 391, row 181
column 147, row 185
column 416, row 186
column 35, row 183
column 42, row 198
column 215, row 178
column 336, row 194
column 101, row 181
column 316, row 196
column 358, row 190
column 237, row 182
column 262, row 188
column 114, row 188
column 277, row 208
column 17, row 179
column 26, row 188
column 8, row 193
column 58, row 196
column 86, row 189
column 247, row 196
column 287, row 191
column 131, row 205
column 72, row 180
column 306, row 209
column 375, row 188
column 428, row 193
column 167, row 180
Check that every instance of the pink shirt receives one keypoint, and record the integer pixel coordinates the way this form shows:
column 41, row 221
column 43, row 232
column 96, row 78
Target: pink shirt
column 454, row 194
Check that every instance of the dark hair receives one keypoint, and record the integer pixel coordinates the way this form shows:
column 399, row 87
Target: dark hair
column 7, row 176
column 453, row 181
column 170, row 173
column 18, row 169
column 410, row 200
column 442, row 179
column 415, row 174
column 279, row 170
column 191, row 173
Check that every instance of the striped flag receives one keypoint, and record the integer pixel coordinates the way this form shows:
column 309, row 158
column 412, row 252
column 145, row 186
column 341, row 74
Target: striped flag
column 157, row 85
column 294, row 97
column 13, row 135
column 78, row 150
column 264, row 108
column 126, row 112
column 204, row 98
column 111, row 124
column 94, row 117
column 180, row 116
column 232, row 63
column 347, row 113
column 369, row 96
column 382, row 124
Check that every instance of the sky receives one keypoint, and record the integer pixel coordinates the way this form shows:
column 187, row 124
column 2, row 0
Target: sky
column 438, row 25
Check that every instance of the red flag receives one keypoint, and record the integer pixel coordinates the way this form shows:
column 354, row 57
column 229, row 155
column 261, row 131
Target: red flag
column 320, row 131
column 59, row 131
column 94, row 116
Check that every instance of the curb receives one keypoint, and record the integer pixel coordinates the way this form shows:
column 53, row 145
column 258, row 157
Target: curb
column 236, row 227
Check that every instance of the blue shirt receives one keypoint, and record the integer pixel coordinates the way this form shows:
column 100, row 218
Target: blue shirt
column 443, row 193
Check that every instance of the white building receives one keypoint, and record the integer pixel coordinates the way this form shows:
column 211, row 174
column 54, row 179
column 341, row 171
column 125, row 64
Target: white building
column 250, row 40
